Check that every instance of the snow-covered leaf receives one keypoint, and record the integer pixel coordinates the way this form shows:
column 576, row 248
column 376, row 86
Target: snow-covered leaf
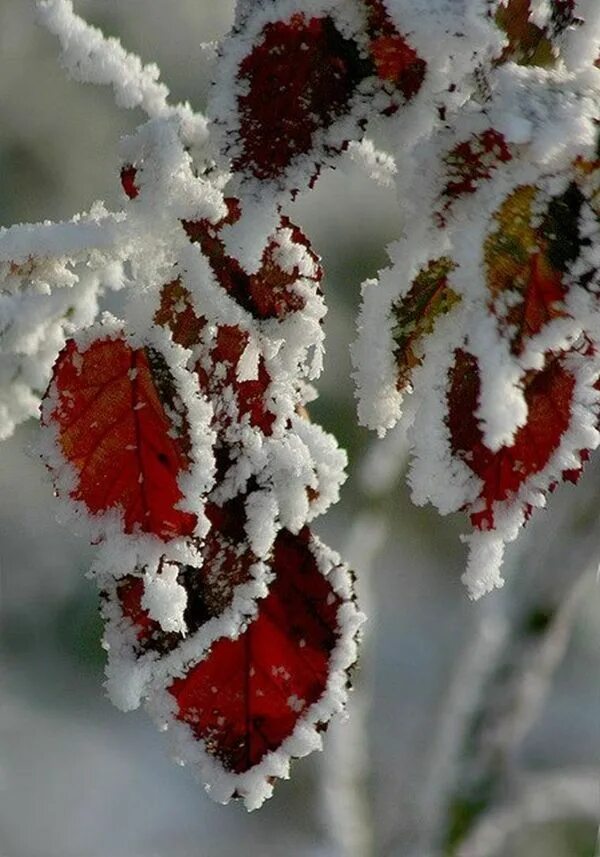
column 415, row 315
column 123, row 433
column 527, row 258
column 533, row 41
column 471, row 162
column 259, row 672
column 306, row 85
column 549, row 398
column 254, row 702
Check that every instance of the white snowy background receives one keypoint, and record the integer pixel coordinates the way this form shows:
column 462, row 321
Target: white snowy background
column 80, row 779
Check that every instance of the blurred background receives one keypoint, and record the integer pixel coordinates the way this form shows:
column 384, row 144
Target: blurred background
column 441, row 681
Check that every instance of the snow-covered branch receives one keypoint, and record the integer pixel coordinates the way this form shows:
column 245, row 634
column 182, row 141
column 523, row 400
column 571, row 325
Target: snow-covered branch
column 506, row 673
column 537, row 799
column 90, row 57
column 346, row 807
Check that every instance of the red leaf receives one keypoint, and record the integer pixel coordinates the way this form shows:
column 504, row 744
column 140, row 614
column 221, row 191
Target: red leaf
column 247, row 695
column 150, row 637
column 526, row 258
column 302, row 76
column 395, row 61
column 251, row 395
column 471, row 162
column 128, row 176
column 268, row 293
column 549, row 396
column 177, row 313
column 226, row 564
column 108, row 405
column 130, row 593
column 236, row 701
column 542, row 300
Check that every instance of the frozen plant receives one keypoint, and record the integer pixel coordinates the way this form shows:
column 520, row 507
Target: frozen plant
column 178, row 437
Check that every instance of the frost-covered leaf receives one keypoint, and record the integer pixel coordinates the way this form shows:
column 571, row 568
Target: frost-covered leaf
column 415, row 315
column 211, row 599
column 561, row 429
column 270, row 292
column 177, row 313
column 527, row 257
column 532, row 39
column 258, row 675
column 305, row 85
column 469, row 163
column 290, row 469
column 128, row 176
column 226, row 563
column 251, row 394
column 246, row 697
column 220, row 368
column 300, row 78
column 255, row 701
column 395, row 60
column 549, row 398
column 282, row 295
column 122, row 434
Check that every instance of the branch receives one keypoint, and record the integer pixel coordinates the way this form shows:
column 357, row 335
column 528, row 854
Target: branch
column 538, row 800
column 506, row 673
column 99, row 230
column 377, row 164
column 91, row 57
column 346, row 810
column 512, row 697
column 475, row 665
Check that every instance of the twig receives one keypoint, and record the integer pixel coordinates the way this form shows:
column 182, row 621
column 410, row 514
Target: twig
column 538, row 800
column 90, row 57
column 475, row 666
column 506, row 674
column 345, row 806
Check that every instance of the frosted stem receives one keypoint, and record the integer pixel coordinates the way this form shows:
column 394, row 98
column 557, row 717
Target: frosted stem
column 486, row 642
column 91, row 57
column 345, row 772
column 503, row 681
column 539, row 799
column 98, row 230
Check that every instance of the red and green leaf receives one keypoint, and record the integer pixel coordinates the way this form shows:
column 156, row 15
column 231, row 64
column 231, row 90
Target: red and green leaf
column 528, row 43
column 526, row 259
column 415, row 315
